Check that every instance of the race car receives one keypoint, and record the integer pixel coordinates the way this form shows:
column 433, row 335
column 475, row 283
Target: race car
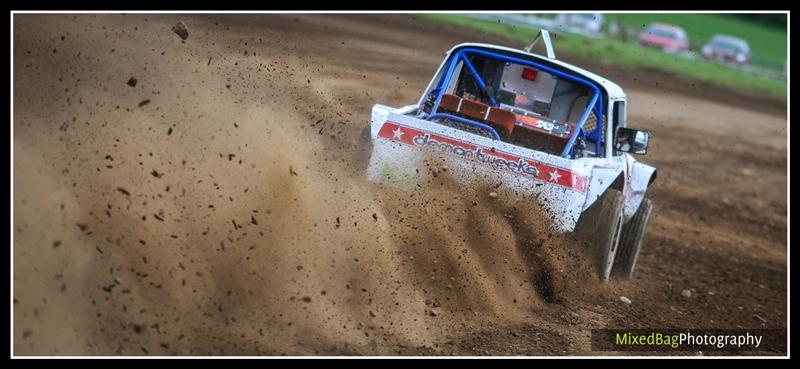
column 546, row 129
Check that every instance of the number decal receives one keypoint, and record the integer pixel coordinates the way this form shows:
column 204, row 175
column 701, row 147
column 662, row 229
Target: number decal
column 547, row 126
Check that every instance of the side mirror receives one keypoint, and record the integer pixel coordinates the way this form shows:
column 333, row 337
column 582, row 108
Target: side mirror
column 632, row 141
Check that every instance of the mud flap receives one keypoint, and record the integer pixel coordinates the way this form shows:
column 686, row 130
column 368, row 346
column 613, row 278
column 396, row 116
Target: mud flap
column 631, row 240
column 600, row 227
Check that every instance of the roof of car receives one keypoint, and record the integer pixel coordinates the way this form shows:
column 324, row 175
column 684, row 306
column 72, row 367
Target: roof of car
column 728, row 38
column 666, row 27
column 613, row 90
column 593, row 15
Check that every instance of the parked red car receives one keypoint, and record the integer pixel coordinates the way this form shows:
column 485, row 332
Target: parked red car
column 665, row 37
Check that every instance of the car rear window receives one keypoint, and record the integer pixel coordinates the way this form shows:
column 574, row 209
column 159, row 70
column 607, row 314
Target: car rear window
column 660, row 32
column 724, row 44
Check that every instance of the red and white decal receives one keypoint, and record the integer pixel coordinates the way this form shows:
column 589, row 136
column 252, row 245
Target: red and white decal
column 505, row 161
column 553, row 128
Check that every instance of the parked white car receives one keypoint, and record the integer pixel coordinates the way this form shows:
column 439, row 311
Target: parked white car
column 585, row 23
column 727, row 49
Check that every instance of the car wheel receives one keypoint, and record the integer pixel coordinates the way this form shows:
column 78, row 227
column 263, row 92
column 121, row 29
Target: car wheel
column 631, row 240
column 600, row 227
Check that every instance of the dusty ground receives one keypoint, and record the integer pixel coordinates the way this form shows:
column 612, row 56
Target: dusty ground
column 213, row 207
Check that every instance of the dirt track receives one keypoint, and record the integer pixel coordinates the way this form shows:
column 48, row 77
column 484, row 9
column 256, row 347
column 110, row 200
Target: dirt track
column 224, row 215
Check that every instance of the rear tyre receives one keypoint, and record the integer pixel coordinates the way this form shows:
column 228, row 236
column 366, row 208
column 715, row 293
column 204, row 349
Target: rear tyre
column 600, row 227
column 631, row 240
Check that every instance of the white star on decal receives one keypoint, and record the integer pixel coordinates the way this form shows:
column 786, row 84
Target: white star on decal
column 554, row 176
column 398, row 134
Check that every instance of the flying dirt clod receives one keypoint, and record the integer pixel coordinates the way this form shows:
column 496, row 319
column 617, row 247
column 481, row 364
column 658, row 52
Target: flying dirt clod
column 181, row 30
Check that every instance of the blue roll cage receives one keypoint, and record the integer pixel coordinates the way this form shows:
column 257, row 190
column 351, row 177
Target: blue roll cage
column 595, row 103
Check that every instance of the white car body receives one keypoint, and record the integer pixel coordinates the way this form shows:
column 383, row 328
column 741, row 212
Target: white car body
column 564, row 187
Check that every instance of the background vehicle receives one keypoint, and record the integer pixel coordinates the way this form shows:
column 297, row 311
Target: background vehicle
column 665, row 37
column 588, row 23
column 727, row 48
column 544, row 128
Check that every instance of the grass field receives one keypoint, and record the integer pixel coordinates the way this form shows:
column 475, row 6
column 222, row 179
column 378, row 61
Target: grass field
column 627, row 53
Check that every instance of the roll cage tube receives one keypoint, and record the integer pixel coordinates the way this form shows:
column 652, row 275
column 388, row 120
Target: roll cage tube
column 595, row 104
column 478, row 79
